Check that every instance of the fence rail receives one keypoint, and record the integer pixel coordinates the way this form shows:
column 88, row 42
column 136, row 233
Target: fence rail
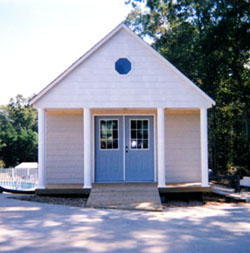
column 18, row 178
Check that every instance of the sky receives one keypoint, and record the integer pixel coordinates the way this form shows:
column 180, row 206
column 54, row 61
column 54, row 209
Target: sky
column 39, row 39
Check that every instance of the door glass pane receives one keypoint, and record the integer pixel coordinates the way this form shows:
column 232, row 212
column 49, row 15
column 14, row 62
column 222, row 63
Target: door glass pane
column 145, row 144
column 139, row 124
column 103, row 144
column 109, row 134
column 145, row 124
column 103, row 135
column 115, row 144
column 133, row 134
column 139, row 144
column 109, row 144
column 109, row 124
column 115, row 124
column 133, row 144
column 103, row 124
column 133, row 124
column 115, row 134
column 139, row 134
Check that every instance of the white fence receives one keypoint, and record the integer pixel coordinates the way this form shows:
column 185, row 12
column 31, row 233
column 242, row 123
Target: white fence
column 18, row 178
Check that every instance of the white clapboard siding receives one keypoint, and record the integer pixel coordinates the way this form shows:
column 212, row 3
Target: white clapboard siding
column 183, row 162
column 64, row 148
column 95, row 83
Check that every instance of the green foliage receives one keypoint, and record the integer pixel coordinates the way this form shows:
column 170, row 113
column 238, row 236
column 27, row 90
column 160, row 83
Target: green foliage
column 209, row 42
column 18, row 132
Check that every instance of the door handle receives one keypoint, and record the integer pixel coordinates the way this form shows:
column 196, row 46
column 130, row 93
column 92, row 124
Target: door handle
column 126, row 149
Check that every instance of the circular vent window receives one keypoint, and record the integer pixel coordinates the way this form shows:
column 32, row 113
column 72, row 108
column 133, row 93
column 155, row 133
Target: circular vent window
column 123, row 66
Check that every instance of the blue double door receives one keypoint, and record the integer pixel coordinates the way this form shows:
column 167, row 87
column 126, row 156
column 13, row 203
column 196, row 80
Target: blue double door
column 124, row 149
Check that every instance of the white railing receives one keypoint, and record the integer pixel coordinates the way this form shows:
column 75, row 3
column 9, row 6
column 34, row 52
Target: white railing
column 18, row 178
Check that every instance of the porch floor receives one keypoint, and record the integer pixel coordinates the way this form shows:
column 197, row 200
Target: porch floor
column 184, row 187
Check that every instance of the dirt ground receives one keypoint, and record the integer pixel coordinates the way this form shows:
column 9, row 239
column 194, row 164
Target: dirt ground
column 208, row 199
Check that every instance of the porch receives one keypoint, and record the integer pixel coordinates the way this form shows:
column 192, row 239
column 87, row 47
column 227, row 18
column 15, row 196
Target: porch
column 172, row 153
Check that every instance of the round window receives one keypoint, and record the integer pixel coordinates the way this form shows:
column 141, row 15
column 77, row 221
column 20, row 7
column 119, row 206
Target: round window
column 123, row 66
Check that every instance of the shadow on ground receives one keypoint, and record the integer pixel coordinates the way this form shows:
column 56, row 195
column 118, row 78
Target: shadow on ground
column 28, row 227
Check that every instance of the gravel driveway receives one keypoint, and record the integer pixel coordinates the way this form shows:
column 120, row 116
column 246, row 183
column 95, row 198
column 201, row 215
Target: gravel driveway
column 37, row 227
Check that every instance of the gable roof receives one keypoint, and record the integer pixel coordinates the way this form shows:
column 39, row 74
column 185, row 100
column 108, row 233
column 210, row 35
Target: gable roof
column 99, row 44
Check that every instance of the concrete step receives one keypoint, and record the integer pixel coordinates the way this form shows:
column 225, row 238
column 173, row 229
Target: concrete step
column 132, row 196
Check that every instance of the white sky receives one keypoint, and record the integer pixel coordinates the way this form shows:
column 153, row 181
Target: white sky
column 40, row 38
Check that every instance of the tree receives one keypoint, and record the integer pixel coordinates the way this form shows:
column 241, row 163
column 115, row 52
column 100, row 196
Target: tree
column 209, row 42
column 18, row 132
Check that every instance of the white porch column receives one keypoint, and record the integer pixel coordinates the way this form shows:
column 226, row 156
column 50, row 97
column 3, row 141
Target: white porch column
column 204, row 147
column 161, row 146
column 41, row 148
column 87, row 148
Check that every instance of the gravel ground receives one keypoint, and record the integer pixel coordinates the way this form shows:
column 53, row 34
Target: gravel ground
column 177, row 203
column 76, row 202
column 81, row 202
column 211, row 199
